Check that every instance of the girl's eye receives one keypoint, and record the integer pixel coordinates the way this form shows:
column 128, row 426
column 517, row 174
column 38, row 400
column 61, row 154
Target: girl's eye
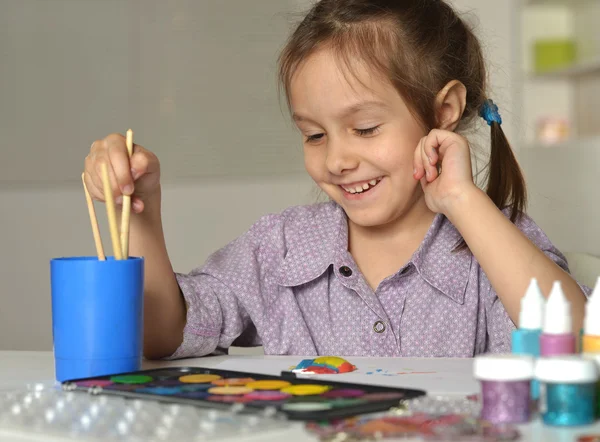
column 367, row 132
column 314, row 138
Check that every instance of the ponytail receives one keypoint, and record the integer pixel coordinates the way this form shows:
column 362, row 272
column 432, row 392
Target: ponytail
column 505, row 183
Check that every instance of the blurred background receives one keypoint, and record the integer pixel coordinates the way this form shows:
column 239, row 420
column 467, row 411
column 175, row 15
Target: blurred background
column 195, row 80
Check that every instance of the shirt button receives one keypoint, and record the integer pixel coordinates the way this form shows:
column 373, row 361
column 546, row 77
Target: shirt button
column 379, row 327
column 346, row 271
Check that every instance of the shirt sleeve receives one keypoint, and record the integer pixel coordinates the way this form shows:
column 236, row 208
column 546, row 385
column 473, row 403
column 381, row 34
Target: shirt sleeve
column 217, row 315
column 499, row 324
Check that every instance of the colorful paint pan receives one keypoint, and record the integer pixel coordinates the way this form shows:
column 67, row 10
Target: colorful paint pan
column 268, row 385
column 305, row 389
column 229, row 390
column 344, row 393
column 233, row 382
column 268, row 395
column 94, row 383
column 307, row 406
column 131, row 379
column 160, row 390
column 199, row 378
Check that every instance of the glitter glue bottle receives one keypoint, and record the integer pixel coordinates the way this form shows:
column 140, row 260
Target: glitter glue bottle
column 557, row 335
column 505, row 387
column 591, row 323
column 596, row 358
column 526, row 339
column 568, row 390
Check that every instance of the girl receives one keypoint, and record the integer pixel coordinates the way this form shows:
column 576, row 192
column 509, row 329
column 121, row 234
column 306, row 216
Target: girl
column 409, row 257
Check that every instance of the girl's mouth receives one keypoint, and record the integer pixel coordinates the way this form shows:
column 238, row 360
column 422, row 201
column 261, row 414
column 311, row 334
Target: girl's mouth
column 357, row 189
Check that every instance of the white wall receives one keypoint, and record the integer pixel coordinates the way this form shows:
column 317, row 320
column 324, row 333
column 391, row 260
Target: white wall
column 564, row 196
column 495, row 25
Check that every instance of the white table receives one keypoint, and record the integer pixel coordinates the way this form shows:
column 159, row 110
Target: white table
column 437, row 376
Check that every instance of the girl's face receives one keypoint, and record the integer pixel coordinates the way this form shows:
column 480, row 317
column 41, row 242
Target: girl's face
column 359, row 139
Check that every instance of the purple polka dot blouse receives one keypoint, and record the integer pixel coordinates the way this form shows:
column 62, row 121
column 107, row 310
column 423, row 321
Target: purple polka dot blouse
column 290, row 285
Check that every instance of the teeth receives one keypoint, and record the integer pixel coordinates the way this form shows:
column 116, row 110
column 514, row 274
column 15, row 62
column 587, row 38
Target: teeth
column 365, row 186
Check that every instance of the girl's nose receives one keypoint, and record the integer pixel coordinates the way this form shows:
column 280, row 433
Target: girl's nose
column 340, row 158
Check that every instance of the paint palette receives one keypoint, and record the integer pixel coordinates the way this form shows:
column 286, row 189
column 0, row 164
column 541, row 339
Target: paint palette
column 296, row 398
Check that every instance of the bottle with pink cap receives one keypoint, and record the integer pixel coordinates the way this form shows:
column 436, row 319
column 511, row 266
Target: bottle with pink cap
column 557, row 334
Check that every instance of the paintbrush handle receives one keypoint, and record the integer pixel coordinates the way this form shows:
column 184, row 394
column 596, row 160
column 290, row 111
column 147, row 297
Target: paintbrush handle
column 126, row 212
column 94, row 222
column 110, row 210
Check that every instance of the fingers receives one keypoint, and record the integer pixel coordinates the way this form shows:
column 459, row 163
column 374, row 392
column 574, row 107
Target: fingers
column 142, row 162
column 113, row 151
column 124, row 173
column 425, row 161
column 93, row 180
column 419, row 167
column 440, row 141
column 95, row 192
column 430, row 153
column 119, row 160
column 97, row 177
column 137, row 204
column 428, row 161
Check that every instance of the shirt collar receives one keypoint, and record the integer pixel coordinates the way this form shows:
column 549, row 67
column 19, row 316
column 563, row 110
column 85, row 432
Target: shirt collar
column 313, row 248
column 312, row 241
column 440, row 266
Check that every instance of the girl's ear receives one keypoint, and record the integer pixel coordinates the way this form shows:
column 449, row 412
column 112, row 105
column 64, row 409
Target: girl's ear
column 450, row 104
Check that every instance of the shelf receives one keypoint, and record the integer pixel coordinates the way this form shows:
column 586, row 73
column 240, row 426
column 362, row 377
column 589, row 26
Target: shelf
column 591, row 142
column 581, row 69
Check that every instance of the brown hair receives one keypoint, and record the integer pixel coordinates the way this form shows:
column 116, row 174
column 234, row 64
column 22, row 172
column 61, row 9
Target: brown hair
column 420, row 46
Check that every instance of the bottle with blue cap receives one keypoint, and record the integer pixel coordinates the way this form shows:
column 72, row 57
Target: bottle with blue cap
column 526, row 338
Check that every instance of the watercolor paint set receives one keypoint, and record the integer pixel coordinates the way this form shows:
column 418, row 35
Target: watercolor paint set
column 296, row 397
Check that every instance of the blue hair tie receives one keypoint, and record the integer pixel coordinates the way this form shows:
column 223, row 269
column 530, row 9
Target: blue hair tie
column 489, row 112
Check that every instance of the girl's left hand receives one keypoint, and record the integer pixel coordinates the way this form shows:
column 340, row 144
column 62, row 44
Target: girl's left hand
column 450, row 153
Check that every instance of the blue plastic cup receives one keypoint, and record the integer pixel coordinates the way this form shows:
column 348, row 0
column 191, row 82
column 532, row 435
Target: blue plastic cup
column 97, row 316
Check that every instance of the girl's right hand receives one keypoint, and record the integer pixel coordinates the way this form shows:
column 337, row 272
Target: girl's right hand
column 138, row 176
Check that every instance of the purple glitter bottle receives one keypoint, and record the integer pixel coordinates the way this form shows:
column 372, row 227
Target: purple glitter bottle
column 505, row 387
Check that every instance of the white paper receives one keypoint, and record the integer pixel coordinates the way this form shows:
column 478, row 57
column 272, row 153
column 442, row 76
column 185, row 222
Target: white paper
column 434, row 375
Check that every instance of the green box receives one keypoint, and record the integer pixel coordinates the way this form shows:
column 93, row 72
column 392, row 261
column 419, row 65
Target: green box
column 550, row 55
